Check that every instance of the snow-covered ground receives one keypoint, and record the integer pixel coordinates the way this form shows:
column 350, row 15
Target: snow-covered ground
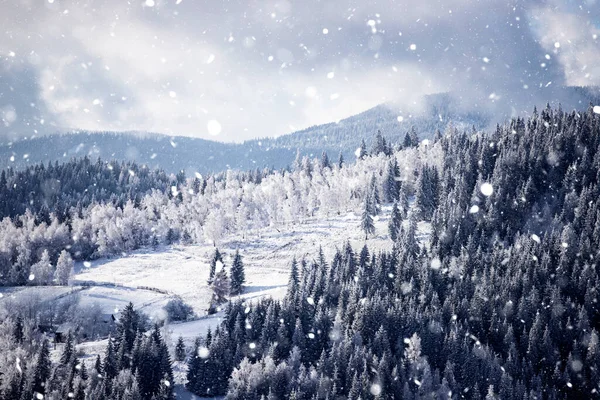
column 183, row 270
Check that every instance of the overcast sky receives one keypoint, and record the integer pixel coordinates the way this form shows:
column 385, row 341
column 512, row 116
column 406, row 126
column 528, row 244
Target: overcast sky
column 238, row 69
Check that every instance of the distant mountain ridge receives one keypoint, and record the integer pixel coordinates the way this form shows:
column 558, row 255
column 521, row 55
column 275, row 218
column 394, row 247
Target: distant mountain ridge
column 204, row 156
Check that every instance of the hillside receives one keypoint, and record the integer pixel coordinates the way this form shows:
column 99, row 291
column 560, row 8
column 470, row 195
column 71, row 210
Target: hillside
column 199, row 155
column 192, row 155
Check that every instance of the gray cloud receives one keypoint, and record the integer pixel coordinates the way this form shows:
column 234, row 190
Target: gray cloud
column 263, row 68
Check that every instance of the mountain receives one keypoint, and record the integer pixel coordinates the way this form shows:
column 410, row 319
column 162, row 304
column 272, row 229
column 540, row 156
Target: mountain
column 177, row 153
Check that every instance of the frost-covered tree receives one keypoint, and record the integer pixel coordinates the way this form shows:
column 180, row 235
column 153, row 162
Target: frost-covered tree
column 42, row 271
column 64, row 268
column 221, row 288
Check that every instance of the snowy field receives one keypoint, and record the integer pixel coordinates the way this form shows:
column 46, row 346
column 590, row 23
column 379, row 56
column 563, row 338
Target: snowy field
column 183, row 270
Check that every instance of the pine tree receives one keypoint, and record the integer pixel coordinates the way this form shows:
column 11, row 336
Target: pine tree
column 366, row 222
column 373, row 195
column 18, row 330
column 426, row 198
column 340, row 162
column 217, row 258
column 390, row 184
column 325, row 160
column 237, row 274
column 109, row 366
column 395, row 222
column 180, row 350
column 294, row 280
column 42, row 369
column 379, row 145
column 127, row 328
column 98, row 364
column 221, row 288
column 68, row 350
column 361, row 152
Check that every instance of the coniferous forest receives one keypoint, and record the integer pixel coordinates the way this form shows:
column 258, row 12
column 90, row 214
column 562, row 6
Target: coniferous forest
column 500, row 301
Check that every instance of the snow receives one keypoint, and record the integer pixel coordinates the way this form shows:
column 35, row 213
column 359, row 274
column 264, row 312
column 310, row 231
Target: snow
column 375, row 389
column 183, row 270
column 596, row 109
column 487, row 189
column 310, row 91
column 413, row 47
column 214, row 127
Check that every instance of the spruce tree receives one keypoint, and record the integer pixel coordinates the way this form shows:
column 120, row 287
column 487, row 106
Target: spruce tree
column 180, row 350
column 237, row 274
column 373, row 195
column 221, row 287
column 390, row 184
column 325, row 160
column 366, row 222
column 42, row 369
column 68, row 350
column 18, row 330
column 216, row 259
column 294, row 280
column 395, row 222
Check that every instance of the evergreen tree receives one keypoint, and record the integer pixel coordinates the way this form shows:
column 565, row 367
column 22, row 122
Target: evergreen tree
column 221, row 288
column 180, row 350
column 366, row 222
column 294, row 280
column 361, row 152
column 426, row 198
column 373, row 195
column 68, row 350
column 217, row 258
column 391, row 186
column 395, row 223
column 325, row 160
column 18, row 330
column 379, row 145
column 42, row 369
column 237, row 274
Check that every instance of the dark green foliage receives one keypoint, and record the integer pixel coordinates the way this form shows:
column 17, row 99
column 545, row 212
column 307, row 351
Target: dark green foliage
column 366, row 221
column 488, row 311
column 177, row 310
column 180, row 350
column 18, row 334
column 238, row 276
column 395, row 223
